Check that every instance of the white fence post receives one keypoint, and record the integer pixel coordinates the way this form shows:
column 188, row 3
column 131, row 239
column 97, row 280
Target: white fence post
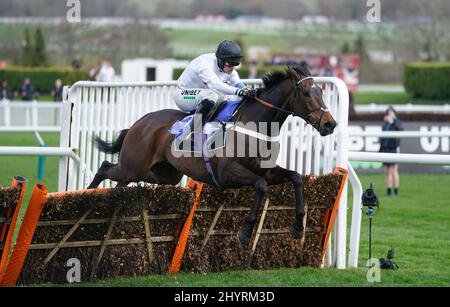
column 65, row 120
column 355, row 231
column 342, row 161
column 6, row 112
column 34, row 113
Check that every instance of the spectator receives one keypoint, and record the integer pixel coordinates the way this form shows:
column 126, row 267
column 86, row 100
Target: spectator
column 253, row 69
column 27, row 90
column 107, row 72
column 252, row 66
column 391, row 145
column 77, row 62
column 92, row 73
column 57, row 92
column 5, row 91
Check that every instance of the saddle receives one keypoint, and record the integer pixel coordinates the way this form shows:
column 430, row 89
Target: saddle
column 214, row 130
column 215, row 111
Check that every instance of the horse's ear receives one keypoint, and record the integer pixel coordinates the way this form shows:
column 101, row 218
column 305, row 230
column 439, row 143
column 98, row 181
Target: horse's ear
column 293, row 72
column 305, row 67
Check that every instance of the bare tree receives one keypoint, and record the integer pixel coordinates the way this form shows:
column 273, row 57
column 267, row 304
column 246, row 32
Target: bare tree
column 434, row 28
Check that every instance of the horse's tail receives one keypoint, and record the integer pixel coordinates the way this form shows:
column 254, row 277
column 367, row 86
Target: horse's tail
column 113, row 147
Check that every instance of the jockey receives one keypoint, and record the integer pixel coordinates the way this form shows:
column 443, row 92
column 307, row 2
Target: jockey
column 208, row 79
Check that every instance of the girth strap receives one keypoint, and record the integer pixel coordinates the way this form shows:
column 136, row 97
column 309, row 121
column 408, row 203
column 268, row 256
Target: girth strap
column 208, row 163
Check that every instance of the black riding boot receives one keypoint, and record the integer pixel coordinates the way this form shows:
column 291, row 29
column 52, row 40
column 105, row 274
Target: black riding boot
column 203, row 109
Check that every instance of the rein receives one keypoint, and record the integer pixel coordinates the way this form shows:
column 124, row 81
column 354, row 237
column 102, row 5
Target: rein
column 271, row 106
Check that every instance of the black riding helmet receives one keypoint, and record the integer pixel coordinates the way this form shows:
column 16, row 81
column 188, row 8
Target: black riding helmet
column 230, row 52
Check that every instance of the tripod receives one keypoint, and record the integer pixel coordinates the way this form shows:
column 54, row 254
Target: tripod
column 370, row 201
column 370, row 214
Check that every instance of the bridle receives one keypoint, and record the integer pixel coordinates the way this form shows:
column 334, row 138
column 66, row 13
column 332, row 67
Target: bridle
column 307, row 118
column 322, row 109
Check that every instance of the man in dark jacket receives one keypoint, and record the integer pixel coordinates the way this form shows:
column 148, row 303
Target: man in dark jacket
column 391, row 145
column 5, row 91
column 27, row 90
column 57, row 92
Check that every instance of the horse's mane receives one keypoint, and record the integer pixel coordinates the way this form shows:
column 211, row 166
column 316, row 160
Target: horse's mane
column 271, row 80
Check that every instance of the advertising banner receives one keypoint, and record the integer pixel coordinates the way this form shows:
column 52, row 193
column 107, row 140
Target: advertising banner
column 422, row 145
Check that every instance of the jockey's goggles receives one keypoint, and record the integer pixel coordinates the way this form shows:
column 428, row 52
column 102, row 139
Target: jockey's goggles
column 231, row 63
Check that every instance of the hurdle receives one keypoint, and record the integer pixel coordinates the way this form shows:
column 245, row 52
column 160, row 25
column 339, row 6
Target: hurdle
column 139, row 228
column 9, row 219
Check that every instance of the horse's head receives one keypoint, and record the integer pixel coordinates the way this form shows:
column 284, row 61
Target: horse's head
column 307, row 101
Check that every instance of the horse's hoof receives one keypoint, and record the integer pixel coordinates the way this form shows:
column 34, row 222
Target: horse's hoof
column 243, row 238
column 295, row 232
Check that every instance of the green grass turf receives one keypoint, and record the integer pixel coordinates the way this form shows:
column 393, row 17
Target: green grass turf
column 416, row 223
column 391, row 98
column 26, row 166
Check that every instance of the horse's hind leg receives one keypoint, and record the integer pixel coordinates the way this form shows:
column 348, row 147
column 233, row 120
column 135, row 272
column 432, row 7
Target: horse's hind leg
column 101, row 174
column 107, row 170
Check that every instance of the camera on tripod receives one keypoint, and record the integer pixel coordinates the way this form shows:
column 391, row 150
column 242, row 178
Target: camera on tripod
column 370, row 206
column 370, row 201
column 389, row 263
column 390, row 254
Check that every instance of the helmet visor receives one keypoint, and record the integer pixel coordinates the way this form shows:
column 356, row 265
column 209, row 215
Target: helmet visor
column 232, row 62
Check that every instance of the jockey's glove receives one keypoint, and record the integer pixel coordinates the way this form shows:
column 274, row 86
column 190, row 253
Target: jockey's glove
column 247, row 92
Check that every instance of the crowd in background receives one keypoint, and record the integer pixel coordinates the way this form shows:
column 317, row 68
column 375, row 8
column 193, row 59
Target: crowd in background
column 26, row 92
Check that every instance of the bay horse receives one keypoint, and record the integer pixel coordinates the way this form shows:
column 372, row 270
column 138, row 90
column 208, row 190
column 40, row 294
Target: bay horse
column 145, row 152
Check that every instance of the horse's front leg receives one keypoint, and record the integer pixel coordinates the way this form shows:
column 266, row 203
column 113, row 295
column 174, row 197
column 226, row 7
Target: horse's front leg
column 279, row 175
column 236, row 174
